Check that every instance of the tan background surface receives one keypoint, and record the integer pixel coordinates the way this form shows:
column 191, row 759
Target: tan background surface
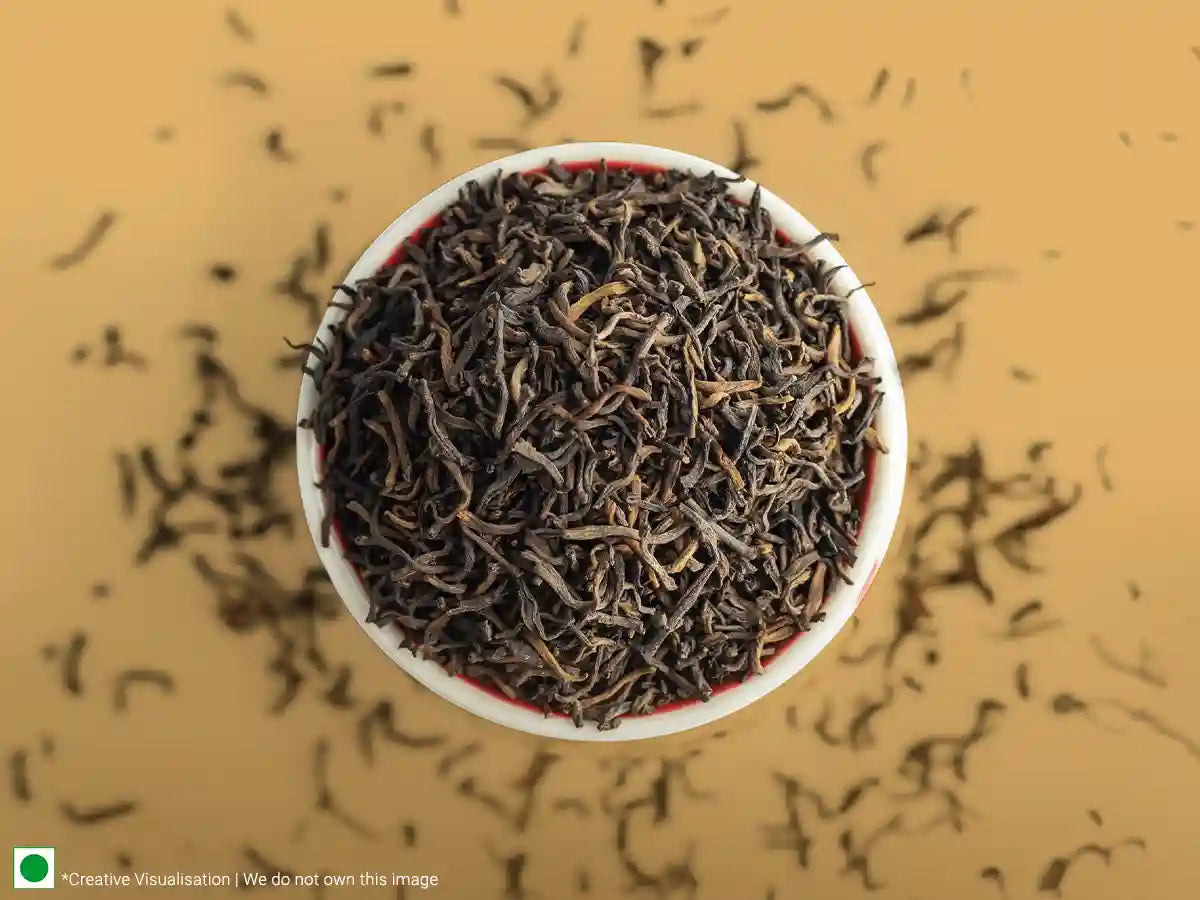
column 1030, row 137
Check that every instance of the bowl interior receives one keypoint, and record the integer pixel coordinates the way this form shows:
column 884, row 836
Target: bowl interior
column 878, row 498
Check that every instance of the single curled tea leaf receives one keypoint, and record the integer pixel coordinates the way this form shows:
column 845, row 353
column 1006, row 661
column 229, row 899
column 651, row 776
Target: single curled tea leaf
column 238, row 26
column 251, row 81
column 18, row 772
column 877, row 86
column 596, row 441
column 866, row 160
column 398, row 69
column 96, row 815
column 743, row 161
column 650, row 55
column 798, row 92
column 277, row 147
column 91, row 239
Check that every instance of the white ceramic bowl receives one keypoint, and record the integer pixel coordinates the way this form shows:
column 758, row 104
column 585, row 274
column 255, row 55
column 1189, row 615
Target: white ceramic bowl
column 879, row 519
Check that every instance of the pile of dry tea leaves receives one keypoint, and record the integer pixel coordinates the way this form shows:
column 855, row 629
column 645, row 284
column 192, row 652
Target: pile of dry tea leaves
column 597, row 440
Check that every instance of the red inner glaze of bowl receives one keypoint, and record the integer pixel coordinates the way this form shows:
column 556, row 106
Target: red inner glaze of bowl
column 863, row 495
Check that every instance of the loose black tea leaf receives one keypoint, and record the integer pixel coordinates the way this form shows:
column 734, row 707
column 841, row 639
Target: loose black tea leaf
column 1144, row 670
column 928, row 227
column 222, row 272
column 1065, row 704
column 691, row 47
column 1056, row 870
column 18, row 773
column 1094, row 815
column 322, row 250
column 523, row 94
column 1028, row 609
column 380, row 721
column 1102, row 468
column 275, row 146
column 534, row 106
column 673, row 112
column 575, row 40
column 90, row 241
column 514, row 876
column 878, row 85
column 96, row 815
column 130, row 677
column 743, row 161
column 325, row 800
column 1053, row 874
column 469, row 789
column 72, row 662
column 1012, row 541
column 935, row 225
column 791, row 836
column 910, row 92
column 506, row 144
column 935, row 304
column 1125, row 138
column 409, row 834
column 1156, row 724
column 529, row 784
column 1135, row 590
column 866, row 160
column 943, row 355
column 80, row 354
column 115, row 352
column 798, row 92
column 294, row 286
column 1021, row 677
column 252, row 82
column 451, row 759
column 378, row 115
column 994, row 875
column 1037, row 450
column 398, row 69
column 856, row 855
column 595, row 441
column 100, row 590
column 1020, row 374
column 429, row 145
column 650, row 56
column 238, row 26
column 263, row 865
column 126, row 484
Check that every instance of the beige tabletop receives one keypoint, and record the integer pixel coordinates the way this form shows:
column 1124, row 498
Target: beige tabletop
column 1008, row 716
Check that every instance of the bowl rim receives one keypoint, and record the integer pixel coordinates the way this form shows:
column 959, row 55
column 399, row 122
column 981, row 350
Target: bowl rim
column 879, row 517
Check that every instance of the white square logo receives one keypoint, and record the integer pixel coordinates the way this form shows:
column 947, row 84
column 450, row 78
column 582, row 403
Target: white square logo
column 33, row 868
